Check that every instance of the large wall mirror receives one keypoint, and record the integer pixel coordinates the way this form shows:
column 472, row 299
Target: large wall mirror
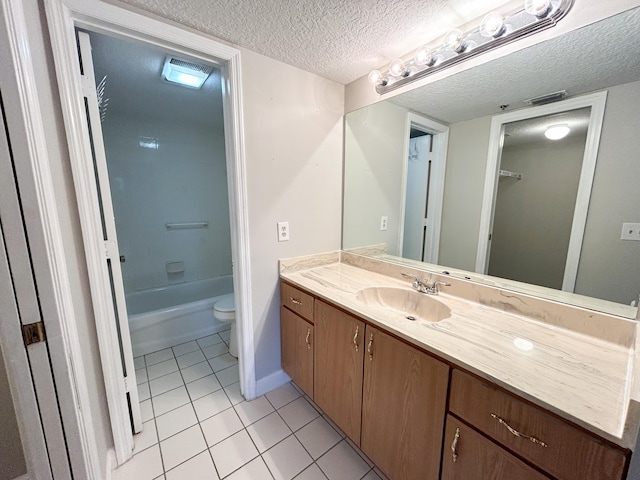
column 499, row 202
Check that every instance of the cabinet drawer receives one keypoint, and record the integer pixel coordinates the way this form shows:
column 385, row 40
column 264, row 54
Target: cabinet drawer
column 568, row 453
column 297, row 301
column 469, row 455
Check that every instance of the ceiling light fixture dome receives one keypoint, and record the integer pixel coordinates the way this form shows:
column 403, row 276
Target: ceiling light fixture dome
column 557, row 132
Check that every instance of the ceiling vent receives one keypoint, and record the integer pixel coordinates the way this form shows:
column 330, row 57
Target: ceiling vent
column 548, row 98
column 185, row 73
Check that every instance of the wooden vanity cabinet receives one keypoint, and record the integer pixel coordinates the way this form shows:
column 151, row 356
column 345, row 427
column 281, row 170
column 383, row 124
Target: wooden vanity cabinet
column 562, row 450
column 339, row 356
column 468, row 455
column 297, row 339
column 403, row 407
column 297, row 336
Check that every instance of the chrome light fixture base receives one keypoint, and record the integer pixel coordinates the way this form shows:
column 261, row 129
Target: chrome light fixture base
column 518, row 24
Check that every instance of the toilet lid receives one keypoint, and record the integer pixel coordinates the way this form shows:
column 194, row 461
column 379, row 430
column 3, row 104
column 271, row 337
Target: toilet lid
column 225, row 304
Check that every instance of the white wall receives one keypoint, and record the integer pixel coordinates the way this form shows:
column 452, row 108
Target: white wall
column 615, row 199
column 374, row 144
column 463, row 189
column 293, row 135
column 183, row 180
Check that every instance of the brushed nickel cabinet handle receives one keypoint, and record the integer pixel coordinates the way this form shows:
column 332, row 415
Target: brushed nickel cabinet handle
column 295, row 301
column 454, row 445
column 355, row 337
column 307, row 339
column 517, row 433
column 370, row 347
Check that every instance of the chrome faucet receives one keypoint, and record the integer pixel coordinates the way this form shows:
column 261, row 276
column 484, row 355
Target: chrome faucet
column 423, row 286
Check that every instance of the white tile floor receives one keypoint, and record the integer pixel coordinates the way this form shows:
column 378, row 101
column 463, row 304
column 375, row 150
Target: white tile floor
column 198, row 426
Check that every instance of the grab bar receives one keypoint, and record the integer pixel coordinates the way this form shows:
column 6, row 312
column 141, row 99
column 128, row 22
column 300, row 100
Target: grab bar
column 178, row 226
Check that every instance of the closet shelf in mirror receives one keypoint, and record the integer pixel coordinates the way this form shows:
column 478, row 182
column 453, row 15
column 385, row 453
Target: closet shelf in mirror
column 507, row 173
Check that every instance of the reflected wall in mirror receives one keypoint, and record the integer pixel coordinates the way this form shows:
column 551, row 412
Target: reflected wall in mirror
column 598, row 58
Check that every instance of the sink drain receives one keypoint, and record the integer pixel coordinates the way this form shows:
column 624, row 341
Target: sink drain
column 410, row 317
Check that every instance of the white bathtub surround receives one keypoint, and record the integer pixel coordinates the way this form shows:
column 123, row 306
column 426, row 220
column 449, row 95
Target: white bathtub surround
column 166, row 316
column 580, row 366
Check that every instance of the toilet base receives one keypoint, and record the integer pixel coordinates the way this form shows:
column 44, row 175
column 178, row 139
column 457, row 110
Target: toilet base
column 233, row 341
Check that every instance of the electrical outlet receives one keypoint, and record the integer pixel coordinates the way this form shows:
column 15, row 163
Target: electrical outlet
column 383, row 223
column 283, row 231
column 630, row 231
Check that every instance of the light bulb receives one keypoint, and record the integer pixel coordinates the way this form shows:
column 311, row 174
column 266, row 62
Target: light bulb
column 539, row 8
column 398, row 68
column 557, row 132
column 492, row 25
column 453, row 40
column 375, row 77
column 424, row 56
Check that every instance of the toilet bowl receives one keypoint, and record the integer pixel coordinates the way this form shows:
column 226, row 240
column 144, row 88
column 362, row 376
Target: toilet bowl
column 225, row 311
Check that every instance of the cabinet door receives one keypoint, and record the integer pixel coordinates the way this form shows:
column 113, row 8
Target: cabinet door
column 296, row 337
column 403, row 408
column 338, row 367
column 479, row 458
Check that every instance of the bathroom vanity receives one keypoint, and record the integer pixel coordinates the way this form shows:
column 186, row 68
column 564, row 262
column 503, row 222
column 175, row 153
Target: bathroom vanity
column 460, row 385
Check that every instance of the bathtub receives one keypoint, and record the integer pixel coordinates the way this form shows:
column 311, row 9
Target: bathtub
column 166, row 316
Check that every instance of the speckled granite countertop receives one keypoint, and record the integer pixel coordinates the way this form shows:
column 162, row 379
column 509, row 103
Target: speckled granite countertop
column 584, row 374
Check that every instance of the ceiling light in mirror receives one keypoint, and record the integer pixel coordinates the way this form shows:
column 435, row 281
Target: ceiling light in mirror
column 557, row 132
column 492, row 25
column 522, row 344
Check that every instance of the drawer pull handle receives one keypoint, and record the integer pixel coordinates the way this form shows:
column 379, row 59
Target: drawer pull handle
column 295, row 301
column 517, row 433
column 454, row 445
column 355, row 337
column 370, row 347
column 307, row 339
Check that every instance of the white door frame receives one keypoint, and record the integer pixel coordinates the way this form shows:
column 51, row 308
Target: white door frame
column 597, row 102
column 440, row 142
column 63, row 17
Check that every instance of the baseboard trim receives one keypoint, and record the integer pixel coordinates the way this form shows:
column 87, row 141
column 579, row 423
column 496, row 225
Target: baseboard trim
column 271, row 382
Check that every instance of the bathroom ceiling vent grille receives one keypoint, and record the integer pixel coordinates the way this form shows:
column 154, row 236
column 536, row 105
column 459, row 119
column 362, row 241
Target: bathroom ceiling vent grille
column 185, row 73
column 191, row 66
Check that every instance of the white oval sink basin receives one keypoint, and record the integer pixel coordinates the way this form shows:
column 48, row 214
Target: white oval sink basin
column 408, row 303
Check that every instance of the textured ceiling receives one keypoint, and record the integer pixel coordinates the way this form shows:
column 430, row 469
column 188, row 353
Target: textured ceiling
column 585, row 60
column 341, row 40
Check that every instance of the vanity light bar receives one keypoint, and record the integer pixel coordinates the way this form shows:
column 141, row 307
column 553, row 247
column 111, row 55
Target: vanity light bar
column 495, row 30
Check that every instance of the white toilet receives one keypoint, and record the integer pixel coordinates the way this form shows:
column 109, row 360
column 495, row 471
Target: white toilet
column 225, row 311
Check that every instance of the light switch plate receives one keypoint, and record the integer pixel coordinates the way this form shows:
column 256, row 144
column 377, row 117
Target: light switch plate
column 630, row 231
column 283, row 231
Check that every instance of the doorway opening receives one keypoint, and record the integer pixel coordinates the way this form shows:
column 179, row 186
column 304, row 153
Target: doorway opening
column 423, row 188
column 537, row 191
column 82, row 122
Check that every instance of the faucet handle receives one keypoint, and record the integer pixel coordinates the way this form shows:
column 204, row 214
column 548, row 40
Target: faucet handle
column 435, row 287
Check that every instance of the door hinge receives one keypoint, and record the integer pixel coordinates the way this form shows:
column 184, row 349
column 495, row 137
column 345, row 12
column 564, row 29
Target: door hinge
column 33, row 333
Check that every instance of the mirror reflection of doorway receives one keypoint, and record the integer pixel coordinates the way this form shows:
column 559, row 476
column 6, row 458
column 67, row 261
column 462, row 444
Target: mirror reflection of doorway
column 536, row 196
column 416, row 220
